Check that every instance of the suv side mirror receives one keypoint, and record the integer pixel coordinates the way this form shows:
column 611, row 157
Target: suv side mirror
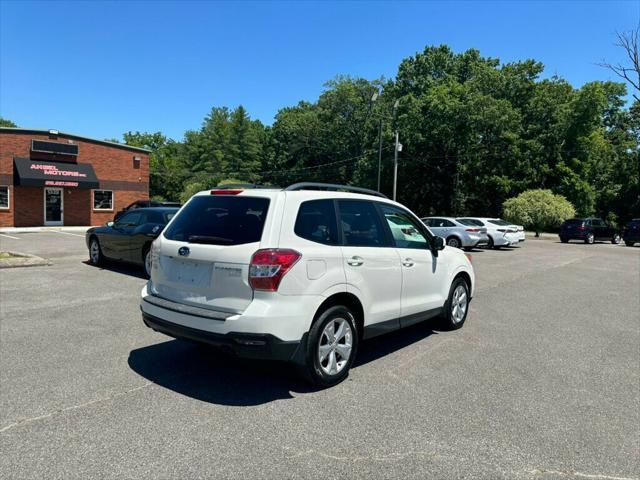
column 438, row 243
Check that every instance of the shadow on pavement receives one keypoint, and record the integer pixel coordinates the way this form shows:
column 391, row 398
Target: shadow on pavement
column 123, row 268
column 207, row 374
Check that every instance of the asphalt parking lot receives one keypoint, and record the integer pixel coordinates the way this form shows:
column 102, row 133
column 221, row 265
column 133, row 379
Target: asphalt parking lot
column 542, row 382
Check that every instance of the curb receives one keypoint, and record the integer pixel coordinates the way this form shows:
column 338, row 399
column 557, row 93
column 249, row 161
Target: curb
column 543, row 236
column 19, row 259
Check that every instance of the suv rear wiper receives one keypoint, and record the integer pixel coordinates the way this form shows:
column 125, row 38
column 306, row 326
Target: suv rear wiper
column 209, row 239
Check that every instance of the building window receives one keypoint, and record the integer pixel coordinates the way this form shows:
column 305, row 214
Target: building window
column 102, row 200
column 4, row 197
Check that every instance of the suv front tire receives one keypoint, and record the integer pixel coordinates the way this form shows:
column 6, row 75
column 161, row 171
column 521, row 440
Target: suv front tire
column 457, row 307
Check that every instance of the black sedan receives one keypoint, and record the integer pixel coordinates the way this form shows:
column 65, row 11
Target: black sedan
column 129, row 238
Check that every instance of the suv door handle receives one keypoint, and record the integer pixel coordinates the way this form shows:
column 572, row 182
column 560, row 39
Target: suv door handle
column 408, row 262
column 355, row 261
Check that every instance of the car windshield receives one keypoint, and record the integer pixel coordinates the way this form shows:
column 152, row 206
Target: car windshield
column 220, row 220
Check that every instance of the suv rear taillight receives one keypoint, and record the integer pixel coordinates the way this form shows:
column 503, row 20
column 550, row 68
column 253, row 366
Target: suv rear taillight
column 269, row 265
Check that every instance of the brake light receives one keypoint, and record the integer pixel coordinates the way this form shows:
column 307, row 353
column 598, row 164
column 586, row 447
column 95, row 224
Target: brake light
column 269, row 265
column 472, row 230
column 580, row 227
column 226, row 191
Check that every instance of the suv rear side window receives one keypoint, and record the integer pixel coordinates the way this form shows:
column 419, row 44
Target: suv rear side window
column 361, row 225
column 220, row 220
column 316, row 222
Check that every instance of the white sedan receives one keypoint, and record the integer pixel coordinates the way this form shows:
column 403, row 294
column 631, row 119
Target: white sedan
column 499, row 235
column 504, row 223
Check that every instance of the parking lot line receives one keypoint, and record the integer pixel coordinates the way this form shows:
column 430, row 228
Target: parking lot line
column 8, row 236
column 68, row 233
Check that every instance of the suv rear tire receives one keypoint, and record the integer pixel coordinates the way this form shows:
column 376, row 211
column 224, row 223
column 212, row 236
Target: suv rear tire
column 616, row 239
column 331, row 347
column 456, row 308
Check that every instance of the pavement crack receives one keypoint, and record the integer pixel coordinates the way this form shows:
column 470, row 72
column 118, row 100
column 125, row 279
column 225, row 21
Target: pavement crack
column 388, row 457
column 24, row 421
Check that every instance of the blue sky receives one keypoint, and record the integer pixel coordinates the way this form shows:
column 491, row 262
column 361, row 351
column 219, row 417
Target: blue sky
column 102, row 68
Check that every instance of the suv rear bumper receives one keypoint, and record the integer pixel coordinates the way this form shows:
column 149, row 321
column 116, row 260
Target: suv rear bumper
column 245, row 345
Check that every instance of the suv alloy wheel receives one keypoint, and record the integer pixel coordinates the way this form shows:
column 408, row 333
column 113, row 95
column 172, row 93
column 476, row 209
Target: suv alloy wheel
column 331, row 347
column 457, row 307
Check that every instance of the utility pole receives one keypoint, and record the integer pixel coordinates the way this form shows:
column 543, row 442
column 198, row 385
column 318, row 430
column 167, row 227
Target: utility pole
column 379, row 151
column 395, row 165
column 397, row 148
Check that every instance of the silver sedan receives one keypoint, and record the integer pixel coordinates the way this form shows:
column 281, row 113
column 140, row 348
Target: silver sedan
column 456, row 233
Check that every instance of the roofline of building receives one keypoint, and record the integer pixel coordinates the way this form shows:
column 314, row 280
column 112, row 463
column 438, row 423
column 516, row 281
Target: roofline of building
column 73, row 136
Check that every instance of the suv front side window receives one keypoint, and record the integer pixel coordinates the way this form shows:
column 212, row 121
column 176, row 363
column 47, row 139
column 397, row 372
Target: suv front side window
column 404, row 229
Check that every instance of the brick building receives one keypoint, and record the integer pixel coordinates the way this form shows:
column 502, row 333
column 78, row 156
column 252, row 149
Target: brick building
column 53, row 178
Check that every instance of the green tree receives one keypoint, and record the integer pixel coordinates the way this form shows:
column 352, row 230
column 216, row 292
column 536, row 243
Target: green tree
column 190, row 189
column 5, row 122
column 166, row 163
column 538, row 210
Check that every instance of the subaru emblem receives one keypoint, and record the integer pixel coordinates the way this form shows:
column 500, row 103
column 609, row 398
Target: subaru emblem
column 184, row 251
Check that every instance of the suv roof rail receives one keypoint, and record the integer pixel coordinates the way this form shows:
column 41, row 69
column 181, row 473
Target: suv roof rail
column 244, row 185
column 331, row 186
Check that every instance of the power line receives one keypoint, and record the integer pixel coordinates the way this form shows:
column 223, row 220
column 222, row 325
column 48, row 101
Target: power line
column 280, row 171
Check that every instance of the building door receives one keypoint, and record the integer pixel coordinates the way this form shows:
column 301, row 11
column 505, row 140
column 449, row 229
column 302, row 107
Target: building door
column 53, row 206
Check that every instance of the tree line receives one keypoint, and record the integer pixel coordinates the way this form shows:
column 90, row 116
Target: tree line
column 475, row 132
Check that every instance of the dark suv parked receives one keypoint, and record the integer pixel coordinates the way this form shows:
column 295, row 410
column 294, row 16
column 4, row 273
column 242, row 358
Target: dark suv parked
column 588, row 230
column 631, row 232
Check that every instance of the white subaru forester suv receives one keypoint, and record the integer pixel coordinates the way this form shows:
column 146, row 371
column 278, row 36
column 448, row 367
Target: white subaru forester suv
column 300, row 274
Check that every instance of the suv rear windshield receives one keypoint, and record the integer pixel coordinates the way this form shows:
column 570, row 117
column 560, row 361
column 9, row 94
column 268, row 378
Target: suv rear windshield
column 220, row 220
